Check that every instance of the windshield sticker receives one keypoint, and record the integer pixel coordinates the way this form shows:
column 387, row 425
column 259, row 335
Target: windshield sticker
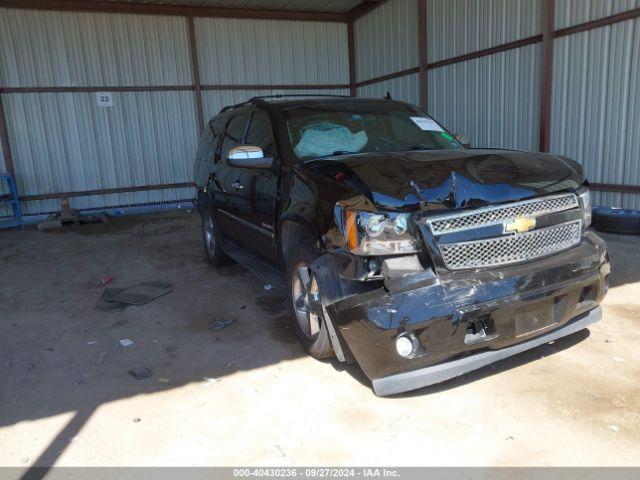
column 427, row 124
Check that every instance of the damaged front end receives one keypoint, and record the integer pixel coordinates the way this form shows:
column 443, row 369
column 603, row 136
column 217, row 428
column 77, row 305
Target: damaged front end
column 483, row 285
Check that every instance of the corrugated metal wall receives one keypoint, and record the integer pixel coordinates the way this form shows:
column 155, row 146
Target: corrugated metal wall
column 63, row 49
column 385, row 39
column 261, row 52
column 385, row 42
column 572, row 12
column 250, row 52
column 64, row 142
column 456, row 27
column 596, row 105
column 404, row 88
column 493, row 99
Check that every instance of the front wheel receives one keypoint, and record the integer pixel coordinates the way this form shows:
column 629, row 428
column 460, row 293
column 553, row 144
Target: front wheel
column 305, row 305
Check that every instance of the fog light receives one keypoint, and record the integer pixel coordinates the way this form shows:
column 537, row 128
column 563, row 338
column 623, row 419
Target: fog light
column 406, row 345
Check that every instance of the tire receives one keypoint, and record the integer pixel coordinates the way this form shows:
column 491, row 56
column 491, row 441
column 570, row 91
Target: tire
column 616, row 220
column 313, row 334
column 212, row 239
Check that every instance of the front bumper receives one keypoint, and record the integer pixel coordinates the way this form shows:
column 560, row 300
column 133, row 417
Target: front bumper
column 439, row 310
column 403, row 382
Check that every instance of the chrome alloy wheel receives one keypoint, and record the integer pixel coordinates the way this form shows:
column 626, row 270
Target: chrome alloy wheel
column 209, row 235
column 306, row 300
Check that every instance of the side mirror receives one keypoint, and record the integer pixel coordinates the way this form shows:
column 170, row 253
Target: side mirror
column 248, row 156
column 463, row 139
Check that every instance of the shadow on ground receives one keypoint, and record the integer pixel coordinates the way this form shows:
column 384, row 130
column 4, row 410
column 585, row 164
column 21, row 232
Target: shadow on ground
column 59, row 355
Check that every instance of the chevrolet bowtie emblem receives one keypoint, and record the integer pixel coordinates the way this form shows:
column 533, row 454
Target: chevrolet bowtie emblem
column 520, row 225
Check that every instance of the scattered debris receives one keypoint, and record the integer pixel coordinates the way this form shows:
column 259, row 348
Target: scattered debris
column 141, row 373
column 614, row 428
column 268, row 286
column 155, row 341
column 49, row 349
column 103, row 280
column 69, row 216
column 92, row 342
column 49, row 224
column 618, row 359
column 609, row 340
column 117, row 299
column 105, row 304
column 280, row 451
column 24, row 460
column 102, row 356
column 221, row 325
column 209, row 381
column 136, row 419
column 93, row 218
column 510, row 437
column 143, row 293
column 125, row 342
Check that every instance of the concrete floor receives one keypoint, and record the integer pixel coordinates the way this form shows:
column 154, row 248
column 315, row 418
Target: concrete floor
column 248, row 395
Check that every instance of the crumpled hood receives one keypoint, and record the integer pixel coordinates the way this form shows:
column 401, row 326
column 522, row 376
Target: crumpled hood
column 451, row 178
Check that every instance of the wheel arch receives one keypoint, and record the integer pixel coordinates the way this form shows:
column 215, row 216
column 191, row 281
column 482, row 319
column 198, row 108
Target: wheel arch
column 292, row 232
column 204, row 200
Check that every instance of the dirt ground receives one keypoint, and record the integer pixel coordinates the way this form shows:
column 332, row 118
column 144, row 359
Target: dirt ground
column 248, row 395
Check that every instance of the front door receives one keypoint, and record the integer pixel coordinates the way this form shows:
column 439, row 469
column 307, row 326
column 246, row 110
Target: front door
column 255, row 190
column 226, row 197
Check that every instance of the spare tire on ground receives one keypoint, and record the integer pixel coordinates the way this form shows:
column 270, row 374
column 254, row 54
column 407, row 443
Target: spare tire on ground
column 616, row 220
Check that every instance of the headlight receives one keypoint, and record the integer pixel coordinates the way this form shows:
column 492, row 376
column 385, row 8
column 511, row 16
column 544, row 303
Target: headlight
column 584, row 196
column 369, row 233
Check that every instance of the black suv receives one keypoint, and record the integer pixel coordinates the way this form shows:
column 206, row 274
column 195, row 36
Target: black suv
column 401, row 248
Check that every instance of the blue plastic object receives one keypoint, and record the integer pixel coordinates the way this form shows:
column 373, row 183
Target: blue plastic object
column 13, row 200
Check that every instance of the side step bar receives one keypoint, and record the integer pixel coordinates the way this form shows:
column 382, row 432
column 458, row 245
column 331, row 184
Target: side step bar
column 261, row 269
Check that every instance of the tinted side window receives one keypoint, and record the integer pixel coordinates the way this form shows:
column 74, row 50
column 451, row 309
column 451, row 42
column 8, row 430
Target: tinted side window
column 260, row 133
column 233, row 135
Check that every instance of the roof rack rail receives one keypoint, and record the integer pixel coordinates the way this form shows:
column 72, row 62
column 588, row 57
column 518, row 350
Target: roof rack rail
column 237, row 105
column 283, row 95
column 253, row 100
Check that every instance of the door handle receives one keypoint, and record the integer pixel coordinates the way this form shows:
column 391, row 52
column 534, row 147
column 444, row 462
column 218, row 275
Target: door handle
column 237, row 185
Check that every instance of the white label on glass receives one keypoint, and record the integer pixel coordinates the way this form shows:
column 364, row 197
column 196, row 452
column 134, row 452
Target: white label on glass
column 426, row 123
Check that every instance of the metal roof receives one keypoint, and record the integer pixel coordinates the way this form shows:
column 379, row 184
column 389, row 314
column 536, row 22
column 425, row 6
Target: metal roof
column 333, row 6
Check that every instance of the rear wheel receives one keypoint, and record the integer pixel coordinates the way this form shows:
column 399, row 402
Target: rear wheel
column 212, row 239
column 305, row 304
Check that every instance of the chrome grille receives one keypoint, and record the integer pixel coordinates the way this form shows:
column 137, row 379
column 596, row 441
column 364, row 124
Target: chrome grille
column 511, row 248
column 495, row 215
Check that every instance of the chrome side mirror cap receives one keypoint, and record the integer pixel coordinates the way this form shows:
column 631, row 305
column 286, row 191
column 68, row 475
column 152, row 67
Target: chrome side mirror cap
column 248, row 156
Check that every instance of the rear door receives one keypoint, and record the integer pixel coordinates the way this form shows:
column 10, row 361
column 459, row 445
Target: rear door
column 256, row 190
